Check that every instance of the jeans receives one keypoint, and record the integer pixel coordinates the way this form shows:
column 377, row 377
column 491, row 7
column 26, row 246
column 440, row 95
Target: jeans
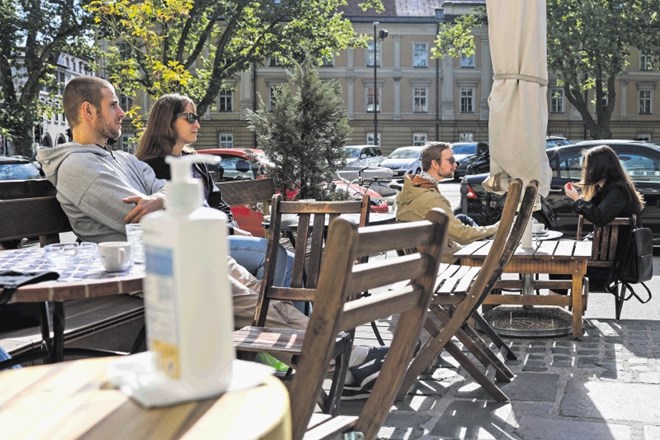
column 466, row 220
column 250, row 252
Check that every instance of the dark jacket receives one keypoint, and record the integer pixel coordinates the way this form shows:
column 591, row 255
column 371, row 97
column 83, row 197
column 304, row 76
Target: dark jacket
column 211, row 191
column 612, row 200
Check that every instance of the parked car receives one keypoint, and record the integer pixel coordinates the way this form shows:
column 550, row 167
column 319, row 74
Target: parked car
column 18, row 168
column 640, row 160
column 474, row 164
column 238, row 163
column 363, row 155
column 404, row 160
column 252, row 163
column 462, row 150
column 555, row 141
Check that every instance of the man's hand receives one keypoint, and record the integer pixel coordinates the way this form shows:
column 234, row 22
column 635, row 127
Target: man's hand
column 143, row 206
column 239, row 231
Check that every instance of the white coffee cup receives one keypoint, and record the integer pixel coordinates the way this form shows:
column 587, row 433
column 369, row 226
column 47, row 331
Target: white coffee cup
column 116, row 256
column 538, row 227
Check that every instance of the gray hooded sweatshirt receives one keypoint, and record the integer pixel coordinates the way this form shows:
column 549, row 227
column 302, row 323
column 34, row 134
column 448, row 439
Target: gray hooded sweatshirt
column 91, row 183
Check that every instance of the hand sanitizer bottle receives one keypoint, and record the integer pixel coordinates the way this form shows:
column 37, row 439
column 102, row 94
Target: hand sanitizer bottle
column 189, row 311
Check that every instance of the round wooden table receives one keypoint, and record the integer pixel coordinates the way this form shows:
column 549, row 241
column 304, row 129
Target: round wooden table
column 73, row 400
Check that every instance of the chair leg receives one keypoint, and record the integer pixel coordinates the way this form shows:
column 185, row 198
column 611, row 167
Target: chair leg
column 481, row 378
column 493, row 336
column 333, row 399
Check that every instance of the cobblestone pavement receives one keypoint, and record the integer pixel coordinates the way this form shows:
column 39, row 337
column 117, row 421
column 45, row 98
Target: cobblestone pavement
column 605, row 386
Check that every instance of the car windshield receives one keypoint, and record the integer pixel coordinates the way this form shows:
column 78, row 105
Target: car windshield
column 18, row 171
column 464, row 149
column 352, row 152
column 406, row 153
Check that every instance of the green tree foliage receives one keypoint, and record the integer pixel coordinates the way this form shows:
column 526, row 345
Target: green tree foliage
column 304, row 133
column 34, row 33
column 194, row 46
column 589, row 44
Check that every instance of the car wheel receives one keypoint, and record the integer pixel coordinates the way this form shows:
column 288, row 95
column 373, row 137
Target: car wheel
column 418, row 170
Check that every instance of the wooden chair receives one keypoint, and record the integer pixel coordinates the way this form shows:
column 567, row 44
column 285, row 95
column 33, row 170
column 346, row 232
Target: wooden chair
column 312, row 220
column 29, row 209
column 459, row 293
column 249, row 192
column 341, row 279
column 604, row 244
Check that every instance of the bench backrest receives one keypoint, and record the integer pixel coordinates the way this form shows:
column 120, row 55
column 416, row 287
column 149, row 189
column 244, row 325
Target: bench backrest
column 28, row 208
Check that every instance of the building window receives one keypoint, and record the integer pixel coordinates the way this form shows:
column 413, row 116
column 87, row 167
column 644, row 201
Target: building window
column 645, row 60
column 125, row 103
column 225, row 104
column 467, row 62
column 370, row 54
column 645, row 100
column 419, row 139
column 127, row 143
column 420, row 99
column 226, row 140
column 373, row 99
column 420, row 55
column 466, row 137
column 275, row 61
column 327, row 61
column 556, row 100
column 272, row 97
column 467, row 99
column 370, row 139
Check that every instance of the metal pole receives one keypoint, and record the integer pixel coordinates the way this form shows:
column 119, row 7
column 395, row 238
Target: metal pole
column 376, row 102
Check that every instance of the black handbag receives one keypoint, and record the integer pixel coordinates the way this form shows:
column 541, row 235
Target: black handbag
column 11, row 280
column 634, row 266
column 636, row 263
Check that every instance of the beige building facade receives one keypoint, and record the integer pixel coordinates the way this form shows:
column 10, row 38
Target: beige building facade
column 420, row 99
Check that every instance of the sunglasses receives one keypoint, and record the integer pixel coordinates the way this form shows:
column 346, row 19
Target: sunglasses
column 190, row 117
column 451, row 160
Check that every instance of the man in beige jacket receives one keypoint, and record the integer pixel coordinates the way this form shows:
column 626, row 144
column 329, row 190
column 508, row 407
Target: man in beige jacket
column 420, row 194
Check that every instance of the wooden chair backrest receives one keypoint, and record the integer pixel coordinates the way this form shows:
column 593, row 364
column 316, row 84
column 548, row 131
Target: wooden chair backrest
column 341, row 279
column 245, row 192
column 28, row 208
column 605, row 240
column 311, row 232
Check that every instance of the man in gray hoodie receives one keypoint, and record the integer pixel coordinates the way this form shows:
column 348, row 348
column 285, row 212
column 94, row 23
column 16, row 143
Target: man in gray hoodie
column 100, row 190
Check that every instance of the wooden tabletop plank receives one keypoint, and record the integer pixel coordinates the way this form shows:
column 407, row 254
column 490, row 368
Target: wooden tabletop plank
column 582, row 249
column 565, row 248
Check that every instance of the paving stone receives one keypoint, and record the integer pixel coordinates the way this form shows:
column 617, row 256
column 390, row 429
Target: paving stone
column 611, row 400
column 651, row 432
column 543, row 428
column 401, row 425
column 472, row 420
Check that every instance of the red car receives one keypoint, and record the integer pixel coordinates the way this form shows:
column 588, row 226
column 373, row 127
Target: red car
column 252, row 163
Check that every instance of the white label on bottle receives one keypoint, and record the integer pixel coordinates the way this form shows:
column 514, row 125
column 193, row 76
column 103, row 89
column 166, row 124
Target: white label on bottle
column 161, row 317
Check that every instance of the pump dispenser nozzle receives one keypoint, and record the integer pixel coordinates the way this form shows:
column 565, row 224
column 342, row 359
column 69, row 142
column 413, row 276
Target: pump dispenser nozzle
column 184, row 193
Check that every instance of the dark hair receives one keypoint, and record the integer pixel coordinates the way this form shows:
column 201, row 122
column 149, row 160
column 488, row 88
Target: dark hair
column 432, row 151
column 602, row 163
column 82, row 89
column 159, row 135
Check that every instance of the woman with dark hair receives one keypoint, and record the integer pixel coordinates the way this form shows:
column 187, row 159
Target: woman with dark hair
column 607, row 192
column 171, row 128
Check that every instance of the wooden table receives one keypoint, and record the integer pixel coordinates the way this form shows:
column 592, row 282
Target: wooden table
column 72, row 400
column 77, row 281
column 547, row 257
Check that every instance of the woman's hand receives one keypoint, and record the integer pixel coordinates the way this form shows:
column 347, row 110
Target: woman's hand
column 571, row 191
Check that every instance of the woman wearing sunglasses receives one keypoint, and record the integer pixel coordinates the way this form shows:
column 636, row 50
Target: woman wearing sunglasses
column 171, row 128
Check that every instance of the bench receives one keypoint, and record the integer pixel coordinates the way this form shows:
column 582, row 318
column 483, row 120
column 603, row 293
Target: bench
column 29, row 209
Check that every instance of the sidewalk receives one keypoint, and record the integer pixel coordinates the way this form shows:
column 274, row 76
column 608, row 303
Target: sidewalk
column 603, row 387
